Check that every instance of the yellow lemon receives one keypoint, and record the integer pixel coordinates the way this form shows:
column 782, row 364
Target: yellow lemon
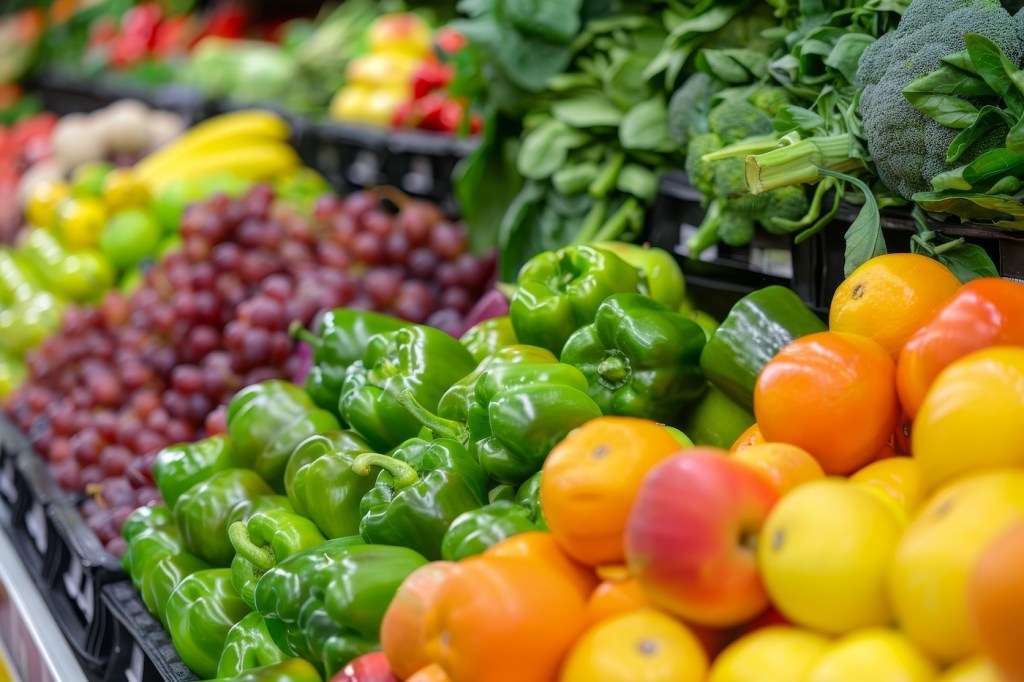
column 931, row 567
column 639, row 646
column 773, row 654
column 897, row 477
column 81, row 222
column 970, row 418
column 873, row 655
column 43, row 202
column 122, row 189
column 976, row 669
column 824, row 553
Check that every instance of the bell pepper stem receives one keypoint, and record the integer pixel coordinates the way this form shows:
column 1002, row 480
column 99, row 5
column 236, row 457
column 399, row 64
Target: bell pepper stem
column 402, row 474
column 260, row 557
column 300, row 333
column 439, row 426
column 613, row 369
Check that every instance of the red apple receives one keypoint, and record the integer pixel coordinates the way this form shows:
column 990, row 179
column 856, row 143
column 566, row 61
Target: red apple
column 372, row 667
column 691, row 537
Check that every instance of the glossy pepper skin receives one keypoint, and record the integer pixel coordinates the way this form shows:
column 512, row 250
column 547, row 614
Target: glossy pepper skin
column 200, row 613
column 520, row 412
column 265, row 423
column 479, row 529
column 179, row 467
column 488, row 337
column 326, row 604
column 528, row 495
column 163, row 577
column 457, row 400
column 247, row 646
column 205, row 511
column 559, row 292
column 145, row 517
column 641, row 358
column 420, row 360
column 759, row 325
column 664, row 277
column 289, row 670
column 341, row 339
column 267, row 538
column 715, row 420
column 324, row 488
column 422, row 487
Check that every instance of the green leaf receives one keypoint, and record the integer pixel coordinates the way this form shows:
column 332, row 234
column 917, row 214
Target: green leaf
column 544, row 151
column 845, row 56
column 587, row 111
column 988, row 118
column 1015, row 138
column 960, row 60
column 992, row 65
column 732, row 65
column 576, row 80
column 948, row 80
column 968, row 261
column 515, row 245
column 998, row 210
column 638, row 180
column 864, row 239
column 625, row 83
column 946, row 110
column 792, row 117
column 992, row 165
column 645, row 126
column 557, row 22
column 688, row 108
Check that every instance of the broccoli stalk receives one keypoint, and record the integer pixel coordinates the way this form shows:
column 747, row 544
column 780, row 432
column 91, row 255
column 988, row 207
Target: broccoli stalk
column 799, row 163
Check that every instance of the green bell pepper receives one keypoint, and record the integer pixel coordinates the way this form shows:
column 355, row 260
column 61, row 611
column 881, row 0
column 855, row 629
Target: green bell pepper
column 144, row 518
column 759, row 325
column 503, row 492
column 179, row 467
column 247, row 646
column 664, row 277
column 205, row 511
column 267, row 420
column 716, row 420
column 423, row 486
column 681, row 438
column 340, row 340
column 289, row 670
column 528, row 496
column 521, row 411
column 559, row 292
column 420, row 360
column 488, row 337
column 640, row 357
column 266, row 539
column 457, row 400
column 200, row 613
column 324, row 488
column 161, row 579
column 479, row 529
column 326, row 604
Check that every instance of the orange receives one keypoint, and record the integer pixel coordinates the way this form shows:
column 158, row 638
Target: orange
column 542, row 547
column 590, row 480
column 401, row 632
column 430, row 673
column 786, row 466
column 615, row 597
column 641, row 646
column 996, row 598
column 504, row 619
column 832, row 394
column 752, row 436
column 890, row 297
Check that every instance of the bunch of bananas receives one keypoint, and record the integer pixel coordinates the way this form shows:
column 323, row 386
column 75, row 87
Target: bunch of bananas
column 252, row 144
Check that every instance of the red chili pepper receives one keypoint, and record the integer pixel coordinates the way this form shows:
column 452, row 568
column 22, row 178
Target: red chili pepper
column 429, row 77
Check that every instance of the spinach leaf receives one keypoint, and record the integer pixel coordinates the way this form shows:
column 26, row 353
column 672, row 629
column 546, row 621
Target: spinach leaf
column 846, row 52
column 586, row 111
column 864, row 239
column 967, row 262
column 993, row 66
column 989, row 118
column 638, row 180
column 732, row 65
column 558, row 22
column 993, row 165
column 515, row 245
column 645, row 126
column 544, row 150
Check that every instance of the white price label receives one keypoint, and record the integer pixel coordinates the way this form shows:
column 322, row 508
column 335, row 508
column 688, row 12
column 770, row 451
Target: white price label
column 133, row 673
column 35, row 524
column 79, row 588
column 7, row 487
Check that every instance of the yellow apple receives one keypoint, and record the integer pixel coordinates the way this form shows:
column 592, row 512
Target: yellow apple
column 873, row 655
column 774, row 654
column 897, row 477
column 977, row 669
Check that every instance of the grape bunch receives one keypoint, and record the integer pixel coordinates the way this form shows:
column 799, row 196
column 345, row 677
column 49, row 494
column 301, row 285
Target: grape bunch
column 145, row 370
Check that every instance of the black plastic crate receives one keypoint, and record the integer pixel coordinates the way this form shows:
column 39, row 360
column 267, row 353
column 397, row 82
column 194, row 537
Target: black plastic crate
column 32, row 532
column 65, row 92
column 82, row 568
column 768, row 260
column 299, row 124
column 142, row 651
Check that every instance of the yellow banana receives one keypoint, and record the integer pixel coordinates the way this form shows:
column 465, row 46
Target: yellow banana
column 239, row 128
column 256, row 161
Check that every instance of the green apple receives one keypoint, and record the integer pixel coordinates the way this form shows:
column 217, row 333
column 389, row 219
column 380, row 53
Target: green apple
column 87, row 180
column 130, row 236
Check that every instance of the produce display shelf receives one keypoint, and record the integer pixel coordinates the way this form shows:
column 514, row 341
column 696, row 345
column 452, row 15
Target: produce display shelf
column 29, row 632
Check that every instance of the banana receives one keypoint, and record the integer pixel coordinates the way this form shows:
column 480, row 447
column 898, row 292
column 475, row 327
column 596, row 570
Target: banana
column 235, row 129
column 254, row 161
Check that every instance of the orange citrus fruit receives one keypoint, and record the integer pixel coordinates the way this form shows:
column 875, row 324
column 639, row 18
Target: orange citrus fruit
column 996, row 597
column 786, row 466
column 752, row 436
column 890, row 297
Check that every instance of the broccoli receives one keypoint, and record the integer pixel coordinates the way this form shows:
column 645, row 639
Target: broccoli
column 784, row 204
column 700, row 172
column 735, row 120
column 736, row 227
column 909, row 148
column 770, row 99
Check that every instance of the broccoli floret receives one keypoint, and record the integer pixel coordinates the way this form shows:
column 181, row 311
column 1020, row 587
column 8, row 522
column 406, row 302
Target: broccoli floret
column 770, row 99
column 687, row 110
column 736, row 227
column 730, row 177
column 907, row 147
column 785, row 203
column 702, row 173
column 735, row 120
